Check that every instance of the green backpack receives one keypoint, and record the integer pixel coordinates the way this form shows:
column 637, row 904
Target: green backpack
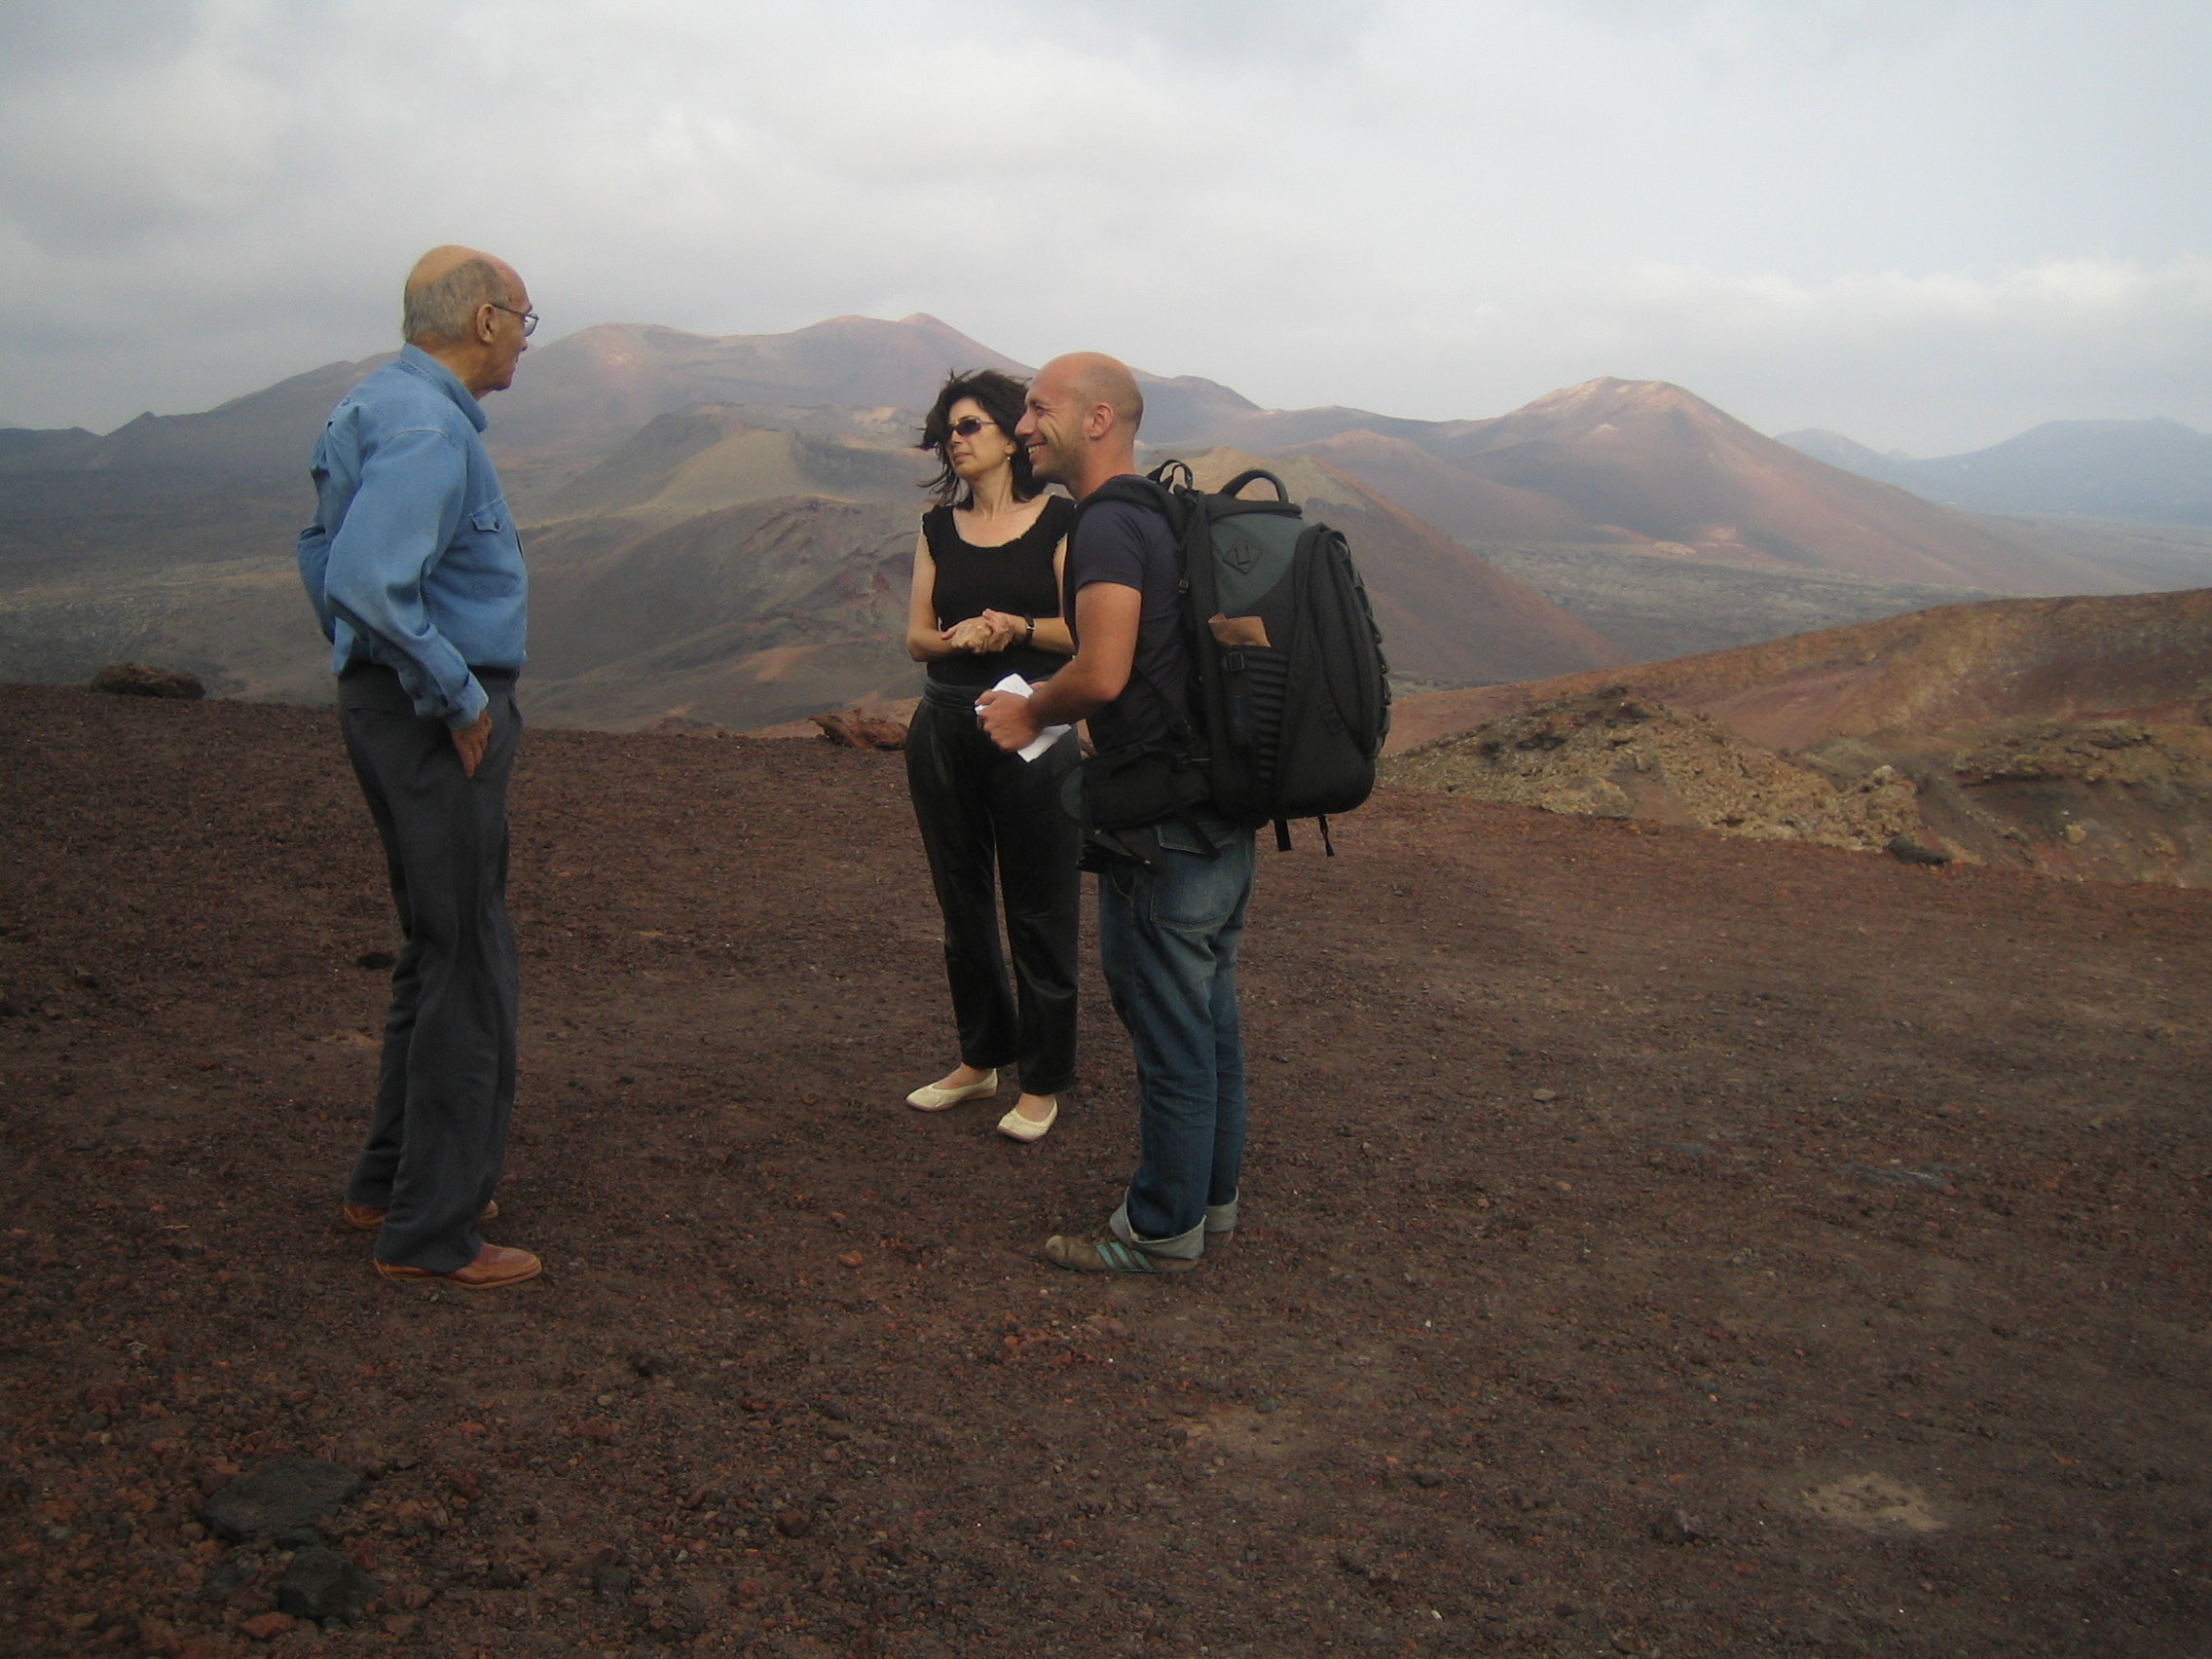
column 1290, row 695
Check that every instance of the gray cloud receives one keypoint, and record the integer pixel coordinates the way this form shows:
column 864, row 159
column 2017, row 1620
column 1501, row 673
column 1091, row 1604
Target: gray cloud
column 1929, row 225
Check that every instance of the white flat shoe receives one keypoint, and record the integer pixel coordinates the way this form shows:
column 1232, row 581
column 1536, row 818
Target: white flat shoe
column 1014, row 1126
column 931, row 1099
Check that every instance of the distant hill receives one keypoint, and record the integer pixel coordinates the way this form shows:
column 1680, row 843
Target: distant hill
column 2136, row 472
column 586, row 393
column 593, row 388
column 744, row 617
column 1654, row 462
column 1460, row 502
column 2152, row 558
column 2062, row 735
column 761, row 611
column 1653, row 598
column 575, row 401
column 1633, row 463
column 261, row 438
column 28, row 444
column 1836, row 450
column 709, row 456
column 1657, row 609
column 649, row 466
column 2137, row 654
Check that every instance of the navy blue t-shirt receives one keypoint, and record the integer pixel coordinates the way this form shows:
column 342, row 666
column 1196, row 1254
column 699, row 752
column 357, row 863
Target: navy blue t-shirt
column 1133, row 546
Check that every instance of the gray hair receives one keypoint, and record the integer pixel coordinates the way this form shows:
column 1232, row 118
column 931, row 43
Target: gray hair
column 445, row 311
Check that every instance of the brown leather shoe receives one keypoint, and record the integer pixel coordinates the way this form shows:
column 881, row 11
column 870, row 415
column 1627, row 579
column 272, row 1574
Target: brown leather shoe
column 494, row 1265
column 362, row 1219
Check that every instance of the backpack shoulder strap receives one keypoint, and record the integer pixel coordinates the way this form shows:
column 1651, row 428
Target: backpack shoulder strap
column 1134, row 491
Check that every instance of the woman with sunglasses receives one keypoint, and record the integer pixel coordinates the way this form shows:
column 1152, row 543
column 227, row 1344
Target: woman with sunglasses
column 986, row 603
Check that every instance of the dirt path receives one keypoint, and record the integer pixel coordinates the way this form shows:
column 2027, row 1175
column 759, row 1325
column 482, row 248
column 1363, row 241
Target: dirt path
column 1653, row 1244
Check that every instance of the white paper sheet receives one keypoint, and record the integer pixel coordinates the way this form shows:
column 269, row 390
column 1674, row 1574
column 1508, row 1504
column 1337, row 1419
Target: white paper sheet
column 1045, row 739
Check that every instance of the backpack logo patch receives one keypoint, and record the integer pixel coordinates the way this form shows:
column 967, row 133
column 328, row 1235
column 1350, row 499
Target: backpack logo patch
column 1241, row 555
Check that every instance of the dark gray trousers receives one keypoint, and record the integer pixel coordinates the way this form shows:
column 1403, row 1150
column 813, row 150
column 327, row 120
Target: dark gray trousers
column 438, row 1134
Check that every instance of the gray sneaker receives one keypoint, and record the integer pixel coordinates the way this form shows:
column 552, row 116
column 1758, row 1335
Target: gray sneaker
column 1100, row 1252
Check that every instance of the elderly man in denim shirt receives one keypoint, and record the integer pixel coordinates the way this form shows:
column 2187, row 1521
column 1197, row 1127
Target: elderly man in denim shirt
column 417, row 576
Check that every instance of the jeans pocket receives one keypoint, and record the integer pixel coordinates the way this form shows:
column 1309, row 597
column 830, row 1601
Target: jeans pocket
column 1192, row 893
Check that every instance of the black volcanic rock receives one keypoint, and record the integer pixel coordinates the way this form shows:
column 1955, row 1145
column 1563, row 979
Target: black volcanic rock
column 1906, row 850
column 280, row 1494
column 227, row 1575
column 324, row 1584
column 138, row 680
column 1676, row 1527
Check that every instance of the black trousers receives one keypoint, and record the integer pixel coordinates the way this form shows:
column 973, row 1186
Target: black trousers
column 438, row 1134
column 980, row 807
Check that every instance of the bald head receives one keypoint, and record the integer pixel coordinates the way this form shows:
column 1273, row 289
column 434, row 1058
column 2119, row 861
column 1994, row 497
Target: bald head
column 471, row 312
column 447, row 288
column 1091, row 379
column 1080, row 425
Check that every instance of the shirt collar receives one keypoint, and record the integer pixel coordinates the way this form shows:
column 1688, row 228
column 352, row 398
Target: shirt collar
column 417, row 361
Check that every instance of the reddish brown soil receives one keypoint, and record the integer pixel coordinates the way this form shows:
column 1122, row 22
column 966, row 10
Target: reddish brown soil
column 1599, row 1175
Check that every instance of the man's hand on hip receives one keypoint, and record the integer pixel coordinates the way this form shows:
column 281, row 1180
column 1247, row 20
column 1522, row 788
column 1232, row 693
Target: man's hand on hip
column 471, row 741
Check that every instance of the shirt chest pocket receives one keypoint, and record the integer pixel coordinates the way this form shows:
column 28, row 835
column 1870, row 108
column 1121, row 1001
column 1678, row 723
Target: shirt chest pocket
column 484, row 558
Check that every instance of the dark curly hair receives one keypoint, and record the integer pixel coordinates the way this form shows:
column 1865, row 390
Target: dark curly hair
column 1002, row 397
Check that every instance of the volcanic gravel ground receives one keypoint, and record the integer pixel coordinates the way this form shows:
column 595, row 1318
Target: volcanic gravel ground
column 1653, row 1244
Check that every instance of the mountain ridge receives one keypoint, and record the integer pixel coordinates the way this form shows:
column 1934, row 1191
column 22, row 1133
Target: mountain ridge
column 1655, row 460
column 2071, row 658
column 621, row 434
column 2155, row 471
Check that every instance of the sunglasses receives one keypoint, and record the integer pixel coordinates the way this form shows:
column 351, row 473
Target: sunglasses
column 970, row 427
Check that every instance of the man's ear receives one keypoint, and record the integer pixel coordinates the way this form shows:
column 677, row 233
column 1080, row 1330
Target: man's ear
column 1098, row 421
column 487, row 323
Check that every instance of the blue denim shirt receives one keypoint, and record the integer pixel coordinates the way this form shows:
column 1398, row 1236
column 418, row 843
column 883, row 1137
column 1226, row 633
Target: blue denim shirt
column 413, row 561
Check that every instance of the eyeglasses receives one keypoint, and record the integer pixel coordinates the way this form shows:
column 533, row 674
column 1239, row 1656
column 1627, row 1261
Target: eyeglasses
column 968, row 426
column 529, row 318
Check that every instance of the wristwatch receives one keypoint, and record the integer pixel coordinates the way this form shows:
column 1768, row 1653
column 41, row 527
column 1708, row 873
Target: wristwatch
column 1030, row 632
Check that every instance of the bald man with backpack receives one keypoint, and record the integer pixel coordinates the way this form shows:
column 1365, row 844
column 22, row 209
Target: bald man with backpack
column 1173, row 893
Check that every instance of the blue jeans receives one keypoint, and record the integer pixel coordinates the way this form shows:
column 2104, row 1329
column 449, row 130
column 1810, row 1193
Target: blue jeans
column 1167, row 942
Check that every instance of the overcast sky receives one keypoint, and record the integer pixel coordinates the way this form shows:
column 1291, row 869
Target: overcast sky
column 1929, row 224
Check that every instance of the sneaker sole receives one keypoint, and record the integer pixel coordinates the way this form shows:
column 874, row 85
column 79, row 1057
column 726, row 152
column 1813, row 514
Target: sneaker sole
column 1116, row 1257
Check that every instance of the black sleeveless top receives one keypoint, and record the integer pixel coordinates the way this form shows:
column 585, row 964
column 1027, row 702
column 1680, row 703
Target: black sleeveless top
column 1017, row 578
